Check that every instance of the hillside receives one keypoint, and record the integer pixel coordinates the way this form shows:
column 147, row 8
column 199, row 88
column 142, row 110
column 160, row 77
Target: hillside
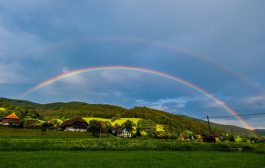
column 260, row 131
column 173, row 123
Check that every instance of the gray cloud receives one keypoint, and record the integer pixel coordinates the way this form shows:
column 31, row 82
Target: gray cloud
column 9, row 74
column 39, row 39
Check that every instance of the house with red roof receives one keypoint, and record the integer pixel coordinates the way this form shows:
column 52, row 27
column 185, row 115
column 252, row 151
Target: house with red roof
column 11, row 119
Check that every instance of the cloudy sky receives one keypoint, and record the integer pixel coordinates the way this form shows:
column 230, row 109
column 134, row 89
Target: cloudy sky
column 216, row 45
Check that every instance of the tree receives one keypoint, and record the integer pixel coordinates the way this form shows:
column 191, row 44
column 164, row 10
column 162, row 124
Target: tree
column 95, row 127
column 172, row 132
column 232, row 138
column 56, row 122
column 116, row 129
column 46, row 126
column 148, row 126
column 106, row 127
column 31, row 123
column 128, row 125
column 138, row 133
column 114, row 119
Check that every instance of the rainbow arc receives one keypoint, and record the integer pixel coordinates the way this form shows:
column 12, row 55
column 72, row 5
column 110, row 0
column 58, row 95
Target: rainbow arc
column 218, row 101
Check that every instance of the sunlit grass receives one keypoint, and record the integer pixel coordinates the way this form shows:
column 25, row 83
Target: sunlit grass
column 123, row 120
column 2, row 109
column 160, row 128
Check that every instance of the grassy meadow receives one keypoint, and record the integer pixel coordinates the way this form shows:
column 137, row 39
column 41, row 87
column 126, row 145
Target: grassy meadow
column 2, row 109
column 123, row 159
column 34, row 148
column 35, row 139
column 116, row 144
column 18, row 133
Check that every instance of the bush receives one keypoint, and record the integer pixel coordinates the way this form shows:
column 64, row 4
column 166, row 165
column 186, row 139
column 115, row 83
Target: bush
column 123, row 145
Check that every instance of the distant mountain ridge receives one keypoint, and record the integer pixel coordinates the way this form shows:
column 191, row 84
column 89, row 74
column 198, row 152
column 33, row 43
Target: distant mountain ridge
column 176, row 123
column 260, row 131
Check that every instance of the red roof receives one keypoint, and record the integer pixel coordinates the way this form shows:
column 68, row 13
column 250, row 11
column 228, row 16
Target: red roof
column 12, row 116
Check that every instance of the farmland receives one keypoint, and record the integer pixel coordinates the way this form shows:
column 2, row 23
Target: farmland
column 113, row 144
column 32, row 147
column 2, row 109
column 119, row 121
column 111, row 159
column 6, row 133
column 33, row 144
column 34, row 115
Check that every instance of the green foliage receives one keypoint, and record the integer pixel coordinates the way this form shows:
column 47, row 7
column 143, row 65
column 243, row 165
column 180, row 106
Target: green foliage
column 122, row 145
column 148, row 126
column 128, row 125
column 2, row 109
column 169, row 133
column 138, row 133
column 174, row 124
column 239, row 139
column 106, row 127
column 120, row 121
column 32, row 123
column 95, row 127
column 47, row 125
column 56, row 122
column 114, row 118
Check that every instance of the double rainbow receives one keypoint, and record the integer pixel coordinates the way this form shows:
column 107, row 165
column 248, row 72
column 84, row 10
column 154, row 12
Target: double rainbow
column 157, row 44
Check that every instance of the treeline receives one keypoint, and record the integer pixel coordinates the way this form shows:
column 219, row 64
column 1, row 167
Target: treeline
column 174, row 123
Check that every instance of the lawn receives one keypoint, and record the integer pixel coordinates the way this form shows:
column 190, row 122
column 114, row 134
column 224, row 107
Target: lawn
column 120, row 159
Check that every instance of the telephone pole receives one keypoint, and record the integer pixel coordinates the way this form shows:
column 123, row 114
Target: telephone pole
column 208, row 123
column 100, row 133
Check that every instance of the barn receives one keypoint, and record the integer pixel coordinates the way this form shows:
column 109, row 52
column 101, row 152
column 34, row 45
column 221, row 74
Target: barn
column 75, row 124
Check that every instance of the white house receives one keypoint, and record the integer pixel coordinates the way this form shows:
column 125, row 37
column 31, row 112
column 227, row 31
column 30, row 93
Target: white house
column 125, row 134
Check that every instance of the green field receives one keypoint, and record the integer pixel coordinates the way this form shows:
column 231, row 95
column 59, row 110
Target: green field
column 2, row 109
column 34, row 148
column 37, row 133
column 117, row 144
column 35, row 139
column 119, row 121
column 120, row 159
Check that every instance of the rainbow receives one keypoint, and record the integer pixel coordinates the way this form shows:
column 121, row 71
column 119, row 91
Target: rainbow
column 166, row 46
column 222, row 104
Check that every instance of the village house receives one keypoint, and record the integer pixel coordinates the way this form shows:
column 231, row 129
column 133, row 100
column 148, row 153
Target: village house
column 125, row 134
column 209, row 138
column 11, row 119
column 75, row 124
column 116, row 131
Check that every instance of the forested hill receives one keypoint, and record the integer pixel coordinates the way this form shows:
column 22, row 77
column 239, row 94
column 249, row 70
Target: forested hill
column 61, row 110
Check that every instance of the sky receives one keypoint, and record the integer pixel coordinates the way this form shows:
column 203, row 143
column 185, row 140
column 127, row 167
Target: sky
column 216, row 45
